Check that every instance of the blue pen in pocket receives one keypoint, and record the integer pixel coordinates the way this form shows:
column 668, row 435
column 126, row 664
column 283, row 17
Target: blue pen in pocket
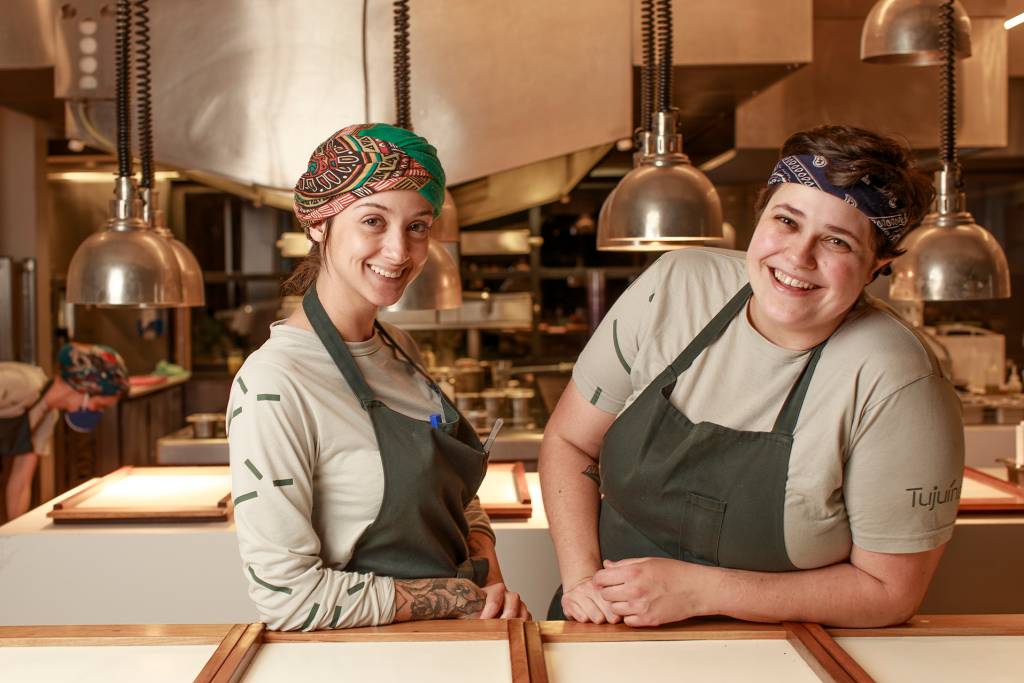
column 435, row 421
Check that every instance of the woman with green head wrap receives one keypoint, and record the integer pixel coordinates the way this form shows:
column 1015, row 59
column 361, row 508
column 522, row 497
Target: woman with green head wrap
column 354, row 477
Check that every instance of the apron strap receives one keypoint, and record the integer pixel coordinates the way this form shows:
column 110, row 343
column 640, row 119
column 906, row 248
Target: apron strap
column 450, row 413
column 336, row 347
column 790, row 413
column 712, row 331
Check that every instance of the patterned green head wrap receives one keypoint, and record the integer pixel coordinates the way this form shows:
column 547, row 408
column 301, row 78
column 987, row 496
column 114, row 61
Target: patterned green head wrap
column 361, row 160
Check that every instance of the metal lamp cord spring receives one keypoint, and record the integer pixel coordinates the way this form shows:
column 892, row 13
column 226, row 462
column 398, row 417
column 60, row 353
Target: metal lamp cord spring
column 401, row 11
column 664, row 30
column 144, row 88
column 947, row 89
column 122, row 64
column 647, row 70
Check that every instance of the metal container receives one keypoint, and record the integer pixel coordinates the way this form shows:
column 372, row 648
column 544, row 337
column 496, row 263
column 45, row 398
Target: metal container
column 467, row 401
column 206, row 425
column 495, row 403
column 469, row 375
column 522, row 400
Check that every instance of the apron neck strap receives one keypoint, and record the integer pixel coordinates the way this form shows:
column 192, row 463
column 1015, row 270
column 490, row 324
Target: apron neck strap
column 790, row 413
column 712, row 331
column 335, row 346
column 448, row 410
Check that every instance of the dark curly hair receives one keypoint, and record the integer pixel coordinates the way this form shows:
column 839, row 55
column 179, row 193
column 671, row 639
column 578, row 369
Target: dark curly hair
column 853, row 153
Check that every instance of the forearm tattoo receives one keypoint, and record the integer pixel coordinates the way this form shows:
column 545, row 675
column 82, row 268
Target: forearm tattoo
column 437, row 598
column 593, row 473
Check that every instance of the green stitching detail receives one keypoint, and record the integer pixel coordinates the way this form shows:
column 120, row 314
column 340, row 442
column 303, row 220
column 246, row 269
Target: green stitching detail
column 246, row 496
column 650, row 298
column 235, row 413
column 277, row 589
column 283, row 482
column 252, row 468
column 337, row 615
column 268, row 397
column 245, row 389
column 356, row 588
column 618, row 351
column 309, row 619
column 597, row 395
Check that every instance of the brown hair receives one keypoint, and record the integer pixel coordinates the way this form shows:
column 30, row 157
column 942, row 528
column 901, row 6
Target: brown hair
column 853, row 153
column 305, row 274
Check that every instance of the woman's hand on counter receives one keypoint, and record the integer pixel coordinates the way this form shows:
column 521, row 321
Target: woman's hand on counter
column 650, row 591
column 502, row 603
column 583, row 602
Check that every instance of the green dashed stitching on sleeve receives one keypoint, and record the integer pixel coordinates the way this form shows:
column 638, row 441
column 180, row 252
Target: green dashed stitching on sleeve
column 356, row 588
column 309, row 619
column 283, row 482
column 252, row 468
column 650, row 298
column 597, row 395
column 337, row 615
column 277, row 589
column 246, row 496
column 235, row 413
column 618, row 351
column 241, row 384
column 268, row 397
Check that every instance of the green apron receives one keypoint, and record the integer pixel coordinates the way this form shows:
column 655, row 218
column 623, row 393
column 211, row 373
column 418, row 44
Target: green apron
column 701, row 492
column 430, row 476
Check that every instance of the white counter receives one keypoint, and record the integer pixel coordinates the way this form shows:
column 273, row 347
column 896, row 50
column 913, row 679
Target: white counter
column 191, row 573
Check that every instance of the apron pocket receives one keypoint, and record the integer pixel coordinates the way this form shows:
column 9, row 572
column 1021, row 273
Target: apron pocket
column 700, row 529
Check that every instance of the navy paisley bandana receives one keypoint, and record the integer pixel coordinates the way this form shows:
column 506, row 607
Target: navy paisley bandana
column 881, row 207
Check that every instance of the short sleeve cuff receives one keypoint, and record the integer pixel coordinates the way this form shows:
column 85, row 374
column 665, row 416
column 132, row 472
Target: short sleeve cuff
column 900, row 545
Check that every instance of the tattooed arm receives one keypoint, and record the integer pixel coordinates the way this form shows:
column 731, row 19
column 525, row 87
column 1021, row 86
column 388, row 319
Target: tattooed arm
column 417, row 599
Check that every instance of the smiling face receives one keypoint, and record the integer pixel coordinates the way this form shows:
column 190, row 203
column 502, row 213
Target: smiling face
column 809, row 259
column 376, row 247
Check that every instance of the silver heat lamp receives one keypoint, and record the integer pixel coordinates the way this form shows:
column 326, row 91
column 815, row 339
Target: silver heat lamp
column 664, row 202
column 948, row 257
column 907, row 32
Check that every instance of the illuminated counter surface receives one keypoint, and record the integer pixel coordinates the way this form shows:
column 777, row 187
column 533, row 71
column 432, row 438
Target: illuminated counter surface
column 190, row 573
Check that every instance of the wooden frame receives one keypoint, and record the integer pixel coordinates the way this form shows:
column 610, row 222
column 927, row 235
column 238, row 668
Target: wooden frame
column 223, row 635
column 519, row 508
column 236, row 660
column 70, row 510
column 1013, row 504
column 797, row 635
column 922, row 625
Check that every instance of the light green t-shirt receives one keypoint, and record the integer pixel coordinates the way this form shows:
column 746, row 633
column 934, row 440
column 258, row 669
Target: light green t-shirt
column 878, row 451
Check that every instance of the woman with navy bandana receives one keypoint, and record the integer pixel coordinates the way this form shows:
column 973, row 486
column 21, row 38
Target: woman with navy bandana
column 92, row 377
column 752, row 434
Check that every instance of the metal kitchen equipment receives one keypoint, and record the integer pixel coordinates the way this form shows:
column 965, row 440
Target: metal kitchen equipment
column 664, row 202
column 126, row 264
column 439, row 284
column 192, row 289
column 977, row 355
column 950, row 257
column 908, row 32
column 18, row 310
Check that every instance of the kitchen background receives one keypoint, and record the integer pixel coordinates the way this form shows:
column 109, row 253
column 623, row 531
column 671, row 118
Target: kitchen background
column 532, row 153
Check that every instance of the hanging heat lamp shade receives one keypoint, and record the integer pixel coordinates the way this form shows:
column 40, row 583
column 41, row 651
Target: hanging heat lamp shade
column 663, row 203
column 950, row 257
column 907, row 32
column 125, row 263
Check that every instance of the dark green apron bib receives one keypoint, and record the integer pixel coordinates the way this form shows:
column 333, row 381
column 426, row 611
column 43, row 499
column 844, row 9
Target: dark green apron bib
column 700, row 492
column 430, row 476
